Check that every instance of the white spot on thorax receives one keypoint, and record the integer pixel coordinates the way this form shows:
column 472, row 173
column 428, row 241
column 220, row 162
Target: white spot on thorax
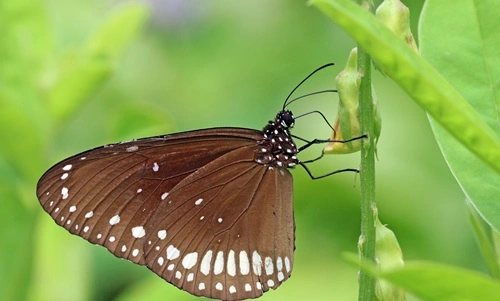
column 138, row 232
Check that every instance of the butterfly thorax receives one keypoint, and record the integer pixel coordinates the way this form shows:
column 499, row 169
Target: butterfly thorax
column 277, row 148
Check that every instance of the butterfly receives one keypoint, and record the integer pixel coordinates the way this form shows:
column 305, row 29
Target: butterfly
column 210, row 211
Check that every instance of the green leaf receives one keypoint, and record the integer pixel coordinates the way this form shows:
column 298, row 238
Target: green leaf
column 84, row 73
column 485, row 239
column 418, row 78
column 468, row 56
column 436, row 282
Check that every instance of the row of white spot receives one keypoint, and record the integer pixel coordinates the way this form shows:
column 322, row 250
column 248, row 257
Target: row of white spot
column 268, row 266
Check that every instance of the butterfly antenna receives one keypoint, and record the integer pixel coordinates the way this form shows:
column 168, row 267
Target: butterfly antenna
column 296, row 87
column 309, row 94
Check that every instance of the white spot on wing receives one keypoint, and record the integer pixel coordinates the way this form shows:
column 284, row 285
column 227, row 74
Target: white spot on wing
column 112, row 238
column 219, row 286
column 248, row 287
column 190, row 260
column 198, row 201
column 172, row 252
column 178, row 275
column 64, row 192
column 231, row 264
column 89, row 214
column 114, row 220
column 162, row 234
column 205, row 263
column 190, row 277
column 156, row 167
column 138, row 232
column 67, row 167
column 281, row 276
column 201, row 286
column 270, row 283
column 268, row 264
column 257, row 263
column 160, row 260
column 124, row 248
column 232, row 289
column 86, row 229
column 287, row 264
column 220, row 220
column 72, row 209
column 219, row 263
column 279, row 264
column 164, row 196
column 135, row 252
column 171, row 267
column 64, row 176
column 244, row 263
column 132, row 148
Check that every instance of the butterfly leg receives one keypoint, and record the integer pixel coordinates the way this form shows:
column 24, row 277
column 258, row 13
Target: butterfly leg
column 319, row 141
column 328, row 174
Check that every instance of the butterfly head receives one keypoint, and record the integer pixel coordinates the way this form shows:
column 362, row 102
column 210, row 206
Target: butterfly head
column 286, row 119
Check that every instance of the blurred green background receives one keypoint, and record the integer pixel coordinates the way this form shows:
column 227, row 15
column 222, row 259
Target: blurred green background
column 198, row 65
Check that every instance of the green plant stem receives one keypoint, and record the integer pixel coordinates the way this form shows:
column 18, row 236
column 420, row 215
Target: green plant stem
column 367, row 175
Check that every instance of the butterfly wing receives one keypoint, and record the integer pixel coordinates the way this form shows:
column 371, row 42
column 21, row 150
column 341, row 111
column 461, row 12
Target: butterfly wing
column 106, row 195
column 226, row 231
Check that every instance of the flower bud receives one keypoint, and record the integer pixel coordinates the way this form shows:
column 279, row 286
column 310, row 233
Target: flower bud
column 347, row 124
column 388, row 255
column 396, row 16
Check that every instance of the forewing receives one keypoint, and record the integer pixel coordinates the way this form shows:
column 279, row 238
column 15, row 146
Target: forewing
column 226, row 231
column 106, row 195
